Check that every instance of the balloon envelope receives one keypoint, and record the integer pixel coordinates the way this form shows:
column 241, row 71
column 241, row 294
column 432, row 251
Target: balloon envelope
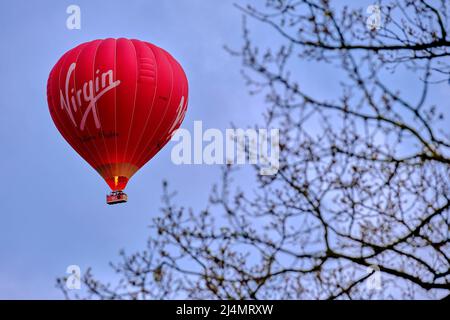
column 117, row 102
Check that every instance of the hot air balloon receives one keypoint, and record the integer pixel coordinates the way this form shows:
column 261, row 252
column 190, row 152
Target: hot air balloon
column 117, row 102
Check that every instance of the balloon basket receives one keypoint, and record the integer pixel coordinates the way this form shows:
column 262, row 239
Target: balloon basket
column 116, row 197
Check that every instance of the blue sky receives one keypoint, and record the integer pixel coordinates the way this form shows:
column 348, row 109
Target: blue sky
column 53, row 212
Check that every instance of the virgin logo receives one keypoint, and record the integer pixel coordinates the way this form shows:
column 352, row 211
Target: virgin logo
column 89, row 93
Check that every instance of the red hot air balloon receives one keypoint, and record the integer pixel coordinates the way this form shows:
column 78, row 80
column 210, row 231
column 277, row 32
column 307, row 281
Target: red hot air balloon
column 117, row 102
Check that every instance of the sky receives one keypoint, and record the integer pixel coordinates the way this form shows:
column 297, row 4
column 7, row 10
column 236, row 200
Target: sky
column 53, row 212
